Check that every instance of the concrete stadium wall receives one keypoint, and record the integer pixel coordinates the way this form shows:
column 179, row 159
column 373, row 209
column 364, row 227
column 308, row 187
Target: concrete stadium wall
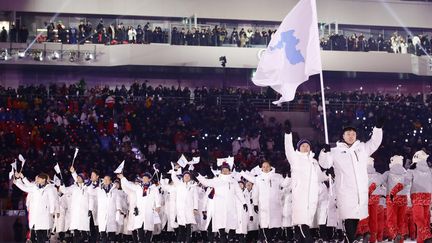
column 244, row 58
column 368, row 12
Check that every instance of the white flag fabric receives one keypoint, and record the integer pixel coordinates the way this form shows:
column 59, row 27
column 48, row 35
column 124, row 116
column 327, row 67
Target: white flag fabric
column 194, row 161
column 293, row 53
column 178, row 172
column 57, row 168
column 75, row 154
column 14, row 165
column 256, row 170
column 236, row 175
column 182, row 161
column 13, row 169
column 229, row 160
column 215, row 172
column 191, row 167
column 57, row 181
column 21, row 158
column 119, row 169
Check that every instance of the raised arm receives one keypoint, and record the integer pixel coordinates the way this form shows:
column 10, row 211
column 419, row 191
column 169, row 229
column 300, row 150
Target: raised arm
column 174, row 178
column 22, row 186
column 127, row 185
column 207, row 182
column 247, row 176
column 289, row 148
column 374, row 142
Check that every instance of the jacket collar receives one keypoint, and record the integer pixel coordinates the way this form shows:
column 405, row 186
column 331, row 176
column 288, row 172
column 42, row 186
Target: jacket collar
column 308, row 155
column 343, row 145
column 397, row 169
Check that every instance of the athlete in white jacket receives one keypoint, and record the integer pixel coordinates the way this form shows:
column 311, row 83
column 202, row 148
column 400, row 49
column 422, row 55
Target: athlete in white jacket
column 349, row 159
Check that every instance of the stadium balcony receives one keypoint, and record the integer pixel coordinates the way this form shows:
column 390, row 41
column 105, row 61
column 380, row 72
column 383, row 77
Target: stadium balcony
column 97, row 55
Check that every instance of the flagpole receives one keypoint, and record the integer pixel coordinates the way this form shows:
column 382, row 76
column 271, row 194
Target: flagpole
column 61, row 176
column 324, row 108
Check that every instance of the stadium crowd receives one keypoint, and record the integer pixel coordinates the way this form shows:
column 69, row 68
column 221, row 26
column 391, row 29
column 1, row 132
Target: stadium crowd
column 417, row 44
column 150, row 127
column 85, row 32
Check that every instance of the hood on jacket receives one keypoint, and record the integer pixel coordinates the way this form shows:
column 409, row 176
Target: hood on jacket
column 420, row 156
column 308, row 155
column 396, row 160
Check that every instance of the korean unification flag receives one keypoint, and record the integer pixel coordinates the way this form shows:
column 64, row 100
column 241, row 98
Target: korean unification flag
column 293, row 53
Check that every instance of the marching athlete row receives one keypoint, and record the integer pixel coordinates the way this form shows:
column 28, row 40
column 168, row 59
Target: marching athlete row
column 234, row 209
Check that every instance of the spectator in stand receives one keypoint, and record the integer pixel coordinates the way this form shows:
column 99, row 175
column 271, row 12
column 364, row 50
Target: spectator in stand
column 3, row 35
column 81, row 32
column 13, row 34
column 62, row 33
column 73, row 35
column 88, row 31
column 132, row 34
column 147, row 33
column 234, row 36
column 50, row 31
column 139, row 35
column 372, row 43
column 100, row 26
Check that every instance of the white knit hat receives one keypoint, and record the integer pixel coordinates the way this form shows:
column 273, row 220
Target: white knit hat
column 420, row 156
column 396, row 160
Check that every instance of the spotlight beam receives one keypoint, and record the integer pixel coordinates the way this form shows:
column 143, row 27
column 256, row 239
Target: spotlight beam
column 396, row 17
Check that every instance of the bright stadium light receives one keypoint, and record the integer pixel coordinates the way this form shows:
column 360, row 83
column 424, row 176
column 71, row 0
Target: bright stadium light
column 55, row 55
column 88, row 56
column 21, row 54
column 4, row 56
column 38, row 56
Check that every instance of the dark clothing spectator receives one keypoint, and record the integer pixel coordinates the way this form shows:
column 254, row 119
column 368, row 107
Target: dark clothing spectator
column 139, row 35
column 13, row 34
column 23, row 34
column 73, row 36
column 3, row 35
column 50, row 32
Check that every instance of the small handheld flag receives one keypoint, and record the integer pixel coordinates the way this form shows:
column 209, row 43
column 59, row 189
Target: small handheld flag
column 119, row 169
column 182, row 161
column 21, row 158
column 75, row 155
column 13, row 169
